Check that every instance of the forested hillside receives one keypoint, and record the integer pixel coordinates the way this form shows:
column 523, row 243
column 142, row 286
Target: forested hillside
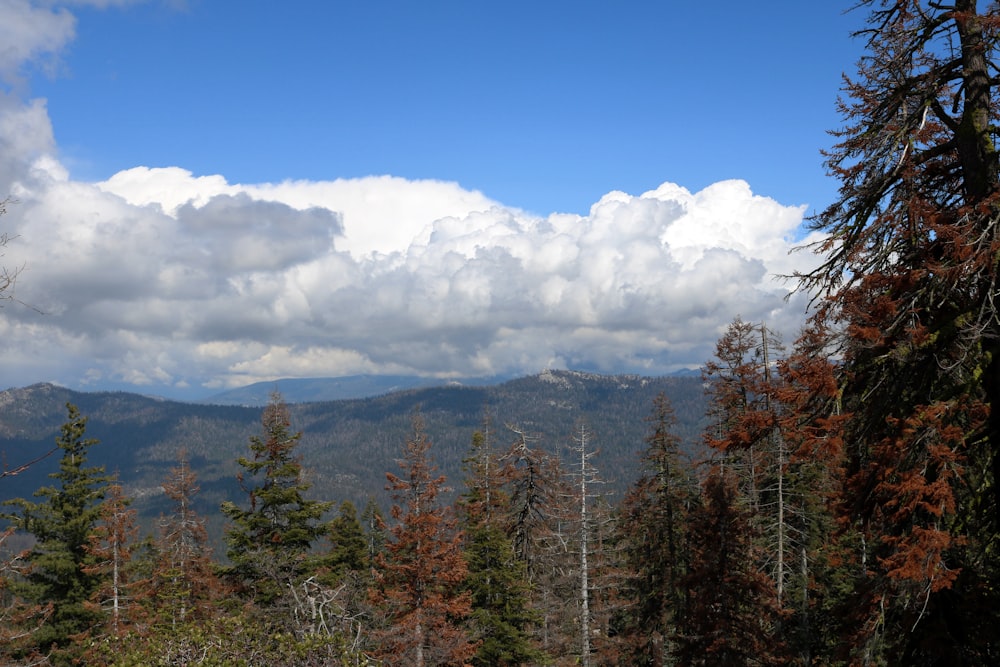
column 842, row 506
column 347, row 446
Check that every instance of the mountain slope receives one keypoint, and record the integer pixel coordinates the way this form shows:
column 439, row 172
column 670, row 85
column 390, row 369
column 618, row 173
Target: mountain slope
column 347, row 445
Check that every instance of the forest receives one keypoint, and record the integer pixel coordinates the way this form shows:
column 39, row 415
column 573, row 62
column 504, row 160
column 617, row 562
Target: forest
column 845, row 509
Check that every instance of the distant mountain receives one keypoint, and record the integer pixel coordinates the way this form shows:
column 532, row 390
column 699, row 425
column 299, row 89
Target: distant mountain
column 347, row 445
column 311, row 390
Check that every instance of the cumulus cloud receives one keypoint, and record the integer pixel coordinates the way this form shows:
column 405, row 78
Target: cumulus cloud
column 165, row 280
column 31, row 34
column 159, row 277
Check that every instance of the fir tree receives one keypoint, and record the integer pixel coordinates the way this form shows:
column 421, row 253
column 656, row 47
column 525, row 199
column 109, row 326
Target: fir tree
column 61, row 571
column 269, row 542
column 348, row 544
column 654, row 530
column 421, row 576
column 909, row 280
column 731, row 615
column 184, row 581
column 498, row 581
column 112, row 544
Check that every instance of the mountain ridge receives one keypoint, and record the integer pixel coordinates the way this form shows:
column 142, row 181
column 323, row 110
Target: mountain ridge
column 347, row 445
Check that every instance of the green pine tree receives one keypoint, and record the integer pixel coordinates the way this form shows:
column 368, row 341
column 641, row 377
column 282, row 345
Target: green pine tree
column 654, row 530
column 348, row 544
column 497, row 579
column 61, row 562
column 270, row 542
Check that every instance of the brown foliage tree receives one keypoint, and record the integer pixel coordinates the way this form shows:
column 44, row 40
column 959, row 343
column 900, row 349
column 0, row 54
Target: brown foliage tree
column 420, row 576
column 184, row 581
column 111, row 545
column 731, row 615
column 910, row 278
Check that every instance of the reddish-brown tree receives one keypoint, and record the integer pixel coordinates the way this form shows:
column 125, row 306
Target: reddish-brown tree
column 910, row 281
column 111, row 545
column 731, row 614
column 184, row 581
column 421, row 574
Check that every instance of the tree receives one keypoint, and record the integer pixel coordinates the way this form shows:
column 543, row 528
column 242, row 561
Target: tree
column 19, row 618
column 497, row 580
column 810, row 423
column 909, row 280
column 184, row 581
column 536, row 523
column 348, row 543
column 654, row 531
column 111, row 545
column 269, row 542
column 8, row 277
column 731, row 615
column 60, row 564
column 374, row 524
column 420, row 579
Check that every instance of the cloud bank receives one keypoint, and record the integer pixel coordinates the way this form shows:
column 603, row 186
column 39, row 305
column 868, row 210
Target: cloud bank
column 169, row 282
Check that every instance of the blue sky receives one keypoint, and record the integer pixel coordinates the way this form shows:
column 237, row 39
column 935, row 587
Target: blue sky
column 540, row 105
column 215, row 193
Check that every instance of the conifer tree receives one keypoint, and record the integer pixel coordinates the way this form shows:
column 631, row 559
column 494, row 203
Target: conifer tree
column 373, row 522
column 538, row 524
column 184, row 582
column 420, row 579
column 270, row 542
column 909, row 281
column 111, row 544
column 654, row 530
column 811, row 425
column 61, row 561
column 348, row 544
column 731, row 615
column 498, row 582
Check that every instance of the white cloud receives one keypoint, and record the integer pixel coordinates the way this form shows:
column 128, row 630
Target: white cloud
column 31, row 34
column 218, row 285
column 160, row 278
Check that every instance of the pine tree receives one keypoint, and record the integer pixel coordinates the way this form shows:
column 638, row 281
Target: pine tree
column 184, row 582
column 61, row 561
column 731, row 615
column 909, row 280
column 498, row 582
column 421, row 576
column 654, row 531
column 270, row 542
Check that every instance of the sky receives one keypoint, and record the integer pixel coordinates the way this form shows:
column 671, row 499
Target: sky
column 207, row 194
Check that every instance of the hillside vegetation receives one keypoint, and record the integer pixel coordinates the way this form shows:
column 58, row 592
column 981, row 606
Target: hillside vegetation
column 347, row 446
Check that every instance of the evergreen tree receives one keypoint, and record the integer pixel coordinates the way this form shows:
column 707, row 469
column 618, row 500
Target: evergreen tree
column 538, row 522
column 373, row 521
column 61, row 562
column 731, row 616
column 111, row 544
column 184, row 582
column 909, row 281
column 654, row 530
column 348, row 543
column 421, row 576
column 269, row 542
column 498, row 582
column 811, row 426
